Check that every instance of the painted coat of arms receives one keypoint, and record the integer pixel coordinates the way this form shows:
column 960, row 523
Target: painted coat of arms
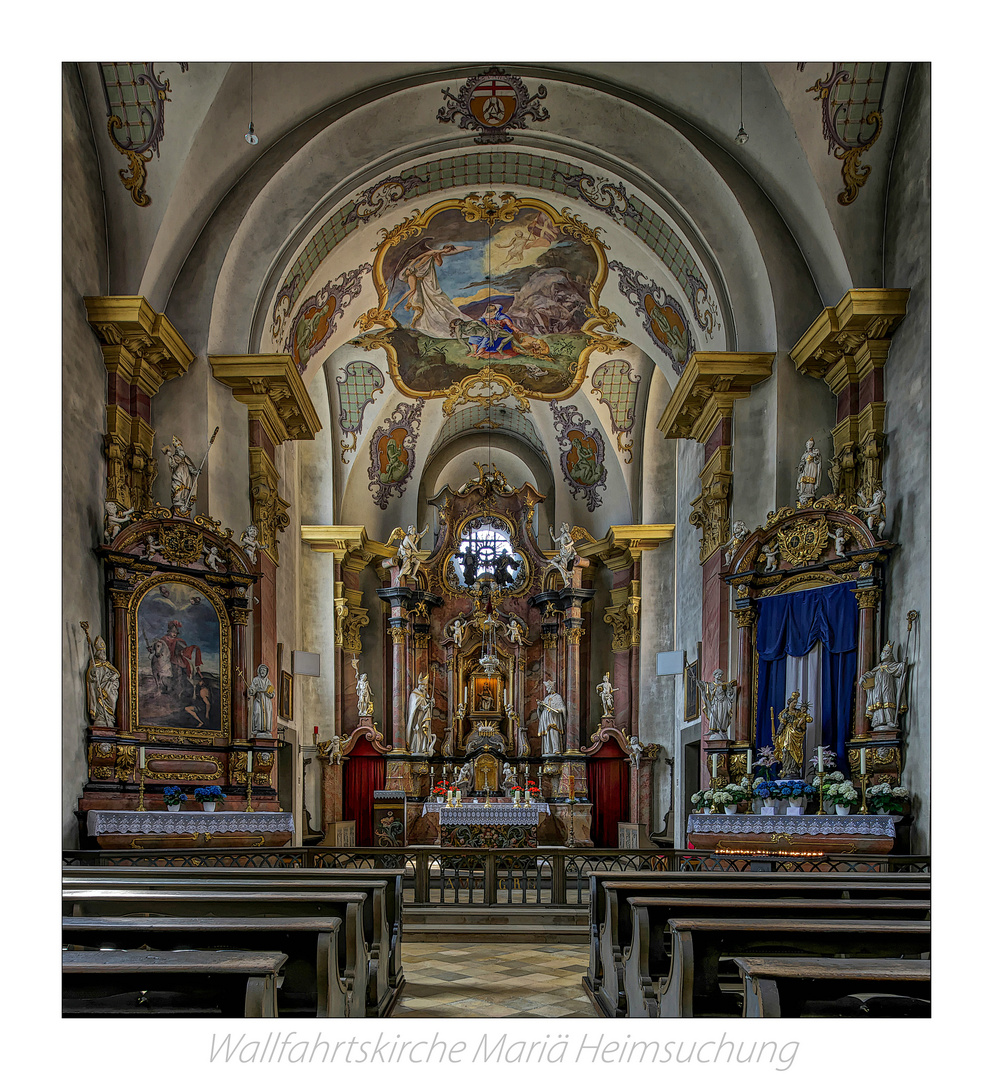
column 493, row 103
column 476, row 291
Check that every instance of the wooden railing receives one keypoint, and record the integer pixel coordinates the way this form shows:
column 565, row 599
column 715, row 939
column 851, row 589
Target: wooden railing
column 494, row 876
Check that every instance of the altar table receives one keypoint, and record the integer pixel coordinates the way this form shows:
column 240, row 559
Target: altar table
column 498, row 825
column 189, row 828
column 828, row 833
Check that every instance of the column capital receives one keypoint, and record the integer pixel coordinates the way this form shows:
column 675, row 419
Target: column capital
column 706, row 392
column 271, row 387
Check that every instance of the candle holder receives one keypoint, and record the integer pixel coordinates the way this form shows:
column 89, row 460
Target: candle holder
column 142, row 809
column 487, row 804
column 249, row 809
column 571, row 842
column 864, row 777
column 820, row 790
column 750, row 777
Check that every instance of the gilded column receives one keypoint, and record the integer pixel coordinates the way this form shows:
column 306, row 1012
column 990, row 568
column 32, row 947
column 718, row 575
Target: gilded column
column 868, row 600
column 239, row 662
column 119, row 598
column 745, row 618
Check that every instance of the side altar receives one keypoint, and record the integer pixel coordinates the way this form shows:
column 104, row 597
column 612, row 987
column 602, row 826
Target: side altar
column 489, row 682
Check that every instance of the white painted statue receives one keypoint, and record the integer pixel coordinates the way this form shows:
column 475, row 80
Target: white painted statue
column 637, row 748
column 883, row 685
column 563, row 559
column 364, row 694
column 420, row 741
column 551, row 720
column 464, row 779
column 719, row 699
column 261, row 693
column 606, row 692
column 212, row 559
column 808, row 474
column 515, row 631
column 184, row 473
column 509, row 778
column 873, row 510
column 333, row 749
column 114, row 520
column 739, row 530
column 458, row 631
column 406, row 556
column 103, row 684
column 839, row 541
column 251, row 543
column 771, row 555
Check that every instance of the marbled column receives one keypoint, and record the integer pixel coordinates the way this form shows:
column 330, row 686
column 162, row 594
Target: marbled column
column 745, row 618
column 634, row 607
column 716, row 617
column 572, row 633
column 331, row 794
column 239, row 662
column 868, row 599
column 398, row 632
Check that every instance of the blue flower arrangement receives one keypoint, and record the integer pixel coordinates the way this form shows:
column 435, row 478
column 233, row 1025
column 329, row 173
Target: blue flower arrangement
column 209, row 794
column 794, row 789
column 173, row 796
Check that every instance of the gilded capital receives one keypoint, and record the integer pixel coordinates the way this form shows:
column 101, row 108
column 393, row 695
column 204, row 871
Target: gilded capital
column 867, row 598
column 706, row 392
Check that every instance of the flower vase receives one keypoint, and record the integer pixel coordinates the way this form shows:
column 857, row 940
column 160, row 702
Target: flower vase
column 840, row 810
column 173, row 808
column 208, row 807
column 731, row 808
column 798, row 802
column 708, row 809
column 770, row 802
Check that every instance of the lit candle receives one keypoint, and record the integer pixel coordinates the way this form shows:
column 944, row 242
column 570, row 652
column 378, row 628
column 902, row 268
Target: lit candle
column 820, row 759
column 141, row 758
column 862, row 760
column 748, row 761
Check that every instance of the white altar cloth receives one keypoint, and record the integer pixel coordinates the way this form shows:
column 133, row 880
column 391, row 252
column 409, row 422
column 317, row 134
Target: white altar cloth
column 802, row 825
column 108, row 822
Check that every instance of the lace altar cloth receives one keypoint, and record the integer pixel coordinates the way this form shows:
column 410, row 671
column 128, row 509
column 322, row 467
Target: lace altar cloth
column 478, row 812
column 801, row 825
column 108, row 822
column 494, row 815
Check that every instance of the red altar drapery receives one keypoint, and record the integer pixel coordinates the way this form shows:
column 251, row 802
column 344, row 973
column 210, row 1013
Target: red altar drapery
column 364, row 773
column 607, row 772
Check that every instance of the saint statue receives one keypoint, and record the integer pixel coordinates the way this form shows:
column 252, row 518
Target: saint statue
column 808, row 474
column 184, row 472
column 719, row 699
column 364, row 695
column 509, row 778
column 406, row 556
column 261, row 693
column 420, row 741
column 551, row 720
column 563, row 559
column 103, row 684
column 789, row 737
column 606, row 692
column 883, row 685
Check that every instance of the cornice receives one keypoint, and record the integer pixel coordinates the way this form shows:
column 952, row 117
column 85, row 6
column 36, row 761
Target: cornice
column 271, row 387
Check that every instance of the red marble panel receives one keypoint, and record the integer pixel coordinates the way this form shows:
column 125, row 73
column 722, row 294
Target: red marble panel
column 716, row 617
column 721, row 436
column 871, row 388
column 845, row 399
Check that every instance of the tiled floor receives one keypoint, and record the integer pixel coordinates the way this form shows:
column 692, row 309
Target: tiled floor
column 491, row 980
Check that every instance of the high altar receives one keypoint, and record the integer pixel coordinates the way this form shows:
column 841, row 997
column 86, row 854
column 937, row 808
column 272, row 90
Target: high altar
column 487, row 679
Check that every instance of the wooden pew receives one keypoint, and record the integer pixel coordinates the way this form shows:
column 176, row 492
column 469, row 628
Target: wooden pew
column 191, row 901
column 192, row 983
column 382, row 915
column 609, row 894
column 312, row 984
column 693, row 986
column 782, row 985
column 647, row 960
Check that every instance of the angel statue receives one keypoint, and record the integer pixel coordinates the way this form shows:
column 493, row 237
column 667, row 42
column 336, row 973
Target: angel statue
column 606, row 692
column 114, row 520
column 636, row 748
column 739, row 530
column 563, row 559
column 515, row 631
column 251, row 543
column 719, row 699
column 873, row 510
column 406, row 558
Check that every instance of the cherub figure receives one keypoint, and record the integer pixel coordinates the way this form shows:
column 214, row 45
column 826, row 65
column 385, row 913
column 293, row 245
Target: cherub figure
column 114, row 520
column 251, row 543
column 771, row 555
column 873, row 510
column 212, row 559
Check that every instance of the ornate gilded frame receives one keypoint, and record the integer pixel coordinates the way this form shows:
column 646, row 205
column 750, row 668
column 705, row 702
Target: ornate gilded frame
column 598, row 327
column 448, row 580
column 224, row 655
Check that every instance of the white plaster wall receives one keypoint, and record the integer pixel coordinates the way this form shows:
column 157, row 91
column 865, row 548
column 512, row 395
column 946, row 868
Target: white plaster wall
column 84, row 397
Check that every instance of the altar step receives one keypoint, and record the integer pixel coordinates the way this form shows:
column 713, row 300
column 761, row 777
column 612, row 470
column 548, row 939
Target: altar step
column 473, row 922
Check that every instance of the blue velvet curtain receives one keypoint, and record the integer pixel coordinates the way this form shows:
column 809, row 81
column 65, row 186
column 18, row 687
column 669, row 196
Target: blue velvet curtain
column 790, row 625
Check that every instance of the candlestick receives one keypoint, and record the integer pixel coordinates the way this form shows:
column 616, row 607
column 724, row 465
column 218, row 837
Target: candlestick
column 141, row 791
column 820, row 784
column 249, row 765
column 750, row 777
column 820, row 759
column 249, row 809
column 572, row 786
column 863, row 809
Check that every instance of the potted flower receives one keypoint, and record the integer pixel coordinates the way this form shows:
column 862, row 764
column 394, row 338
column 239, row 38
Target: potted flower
column 830, row 779
column 843, row 795
column 768, row 792
column 174, row 798
column 209, row 797
column 765, row 762
column 728, row 797
column 442, row 791
column 532, row 793
column 703, row 801
column 883, row 799
column 828, row 757
column 518, row 791
column 797, row 791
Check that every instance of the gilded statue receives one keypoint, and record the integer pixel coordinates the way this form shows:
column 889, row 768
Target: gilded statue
column 789, row 738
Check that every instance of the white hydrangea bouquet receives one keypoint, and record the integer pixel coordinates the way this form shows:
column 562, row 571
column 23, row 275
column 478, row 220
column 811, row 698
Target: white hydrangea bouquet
column 883, row 799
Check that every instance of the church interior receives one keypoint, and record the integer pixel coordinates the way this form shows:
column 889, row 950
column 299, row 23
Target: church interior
column 496, row 539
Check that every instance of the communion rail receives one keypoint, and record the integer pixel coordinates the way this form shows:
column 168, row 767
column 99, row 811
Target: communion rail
column 495, row 876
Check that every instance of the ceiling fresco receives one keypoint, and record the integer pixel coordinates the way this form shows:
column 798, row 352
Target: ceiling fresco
column 500, row 290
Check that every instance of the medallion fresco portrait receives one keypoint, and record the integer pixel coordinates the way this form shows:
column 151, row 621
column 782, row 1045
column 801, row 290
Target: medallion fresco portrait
column 582, row 454
column 481, row 289
column 179, row 650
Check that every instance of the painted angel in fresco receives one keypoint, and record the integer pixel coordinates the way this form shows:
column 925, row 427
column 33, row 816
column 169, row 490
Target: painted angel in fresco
column 431, row 307
column 587, row 470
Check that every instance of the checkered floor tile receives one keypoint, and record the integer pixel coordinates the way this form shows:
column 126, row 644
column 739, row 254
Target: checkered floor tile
column 478, row 980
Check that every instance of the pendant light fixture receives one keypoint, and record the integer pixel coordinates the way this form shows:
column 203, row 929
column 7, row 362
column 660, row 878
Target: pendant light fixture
column 742, row 137
column 250, row 137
